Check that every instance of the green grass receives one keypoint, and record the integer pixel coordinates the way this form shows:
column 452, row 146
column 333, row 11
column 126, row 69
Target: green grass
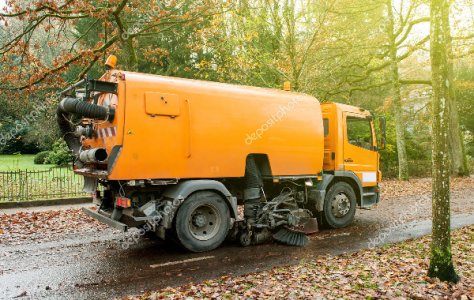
column 41, row 182
column 20, row 162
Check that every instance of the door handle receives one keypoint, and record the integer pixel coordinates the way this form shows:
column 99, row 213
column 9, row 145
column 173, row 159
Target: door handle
column 349, row 160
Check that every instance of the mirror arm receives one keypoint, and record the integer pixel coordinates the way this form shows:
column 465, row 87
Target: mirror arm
column 382, row 128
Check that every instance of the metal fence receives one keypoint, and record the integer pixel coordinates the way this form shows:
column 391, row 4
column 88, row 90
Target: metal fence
column 416, row 168
column 62, row 182
column 26, row 185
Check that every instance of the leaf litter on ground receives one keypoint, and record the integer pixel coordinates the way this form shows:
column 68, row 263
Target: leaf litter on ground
column 397, row 271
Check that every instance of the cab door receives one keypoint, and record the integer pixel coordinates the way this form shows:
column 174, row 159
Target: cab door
column 360, row 148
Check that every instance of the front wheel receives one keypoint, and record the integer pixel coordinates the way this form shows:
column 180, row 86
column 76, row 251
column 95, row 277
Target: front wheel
column 339, row 205
column 202, row 221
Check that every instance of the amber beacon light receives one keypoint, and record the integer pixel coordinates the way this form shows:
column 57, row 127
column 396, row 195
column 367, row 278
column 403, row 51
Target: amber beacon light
column 111, row 62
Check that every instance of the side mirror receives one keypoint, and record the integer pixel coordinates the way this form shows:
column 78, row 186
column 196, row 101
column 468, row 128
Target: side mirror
column 383, row 133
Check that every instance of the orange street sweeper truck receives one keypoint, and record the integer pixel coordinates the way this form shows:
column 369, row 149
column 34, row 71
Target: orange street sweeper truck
column 178, row 157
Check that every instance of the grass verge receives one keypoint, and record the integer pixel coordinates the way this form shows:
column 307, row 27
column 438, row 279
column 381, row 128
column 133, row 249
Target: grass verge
column 20, row 162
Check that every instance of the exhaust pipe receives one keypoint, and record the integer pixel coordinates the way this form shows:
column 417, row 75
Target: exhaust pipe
column 93, row 155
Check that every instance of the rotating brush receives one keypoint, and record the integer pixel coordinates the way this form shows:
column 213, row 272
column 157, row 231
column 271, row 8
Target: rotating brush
column 290, row 237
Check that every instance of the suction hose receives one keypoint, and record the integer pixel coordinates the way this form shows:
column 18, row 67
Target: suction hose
column 252, row 191
column 85, row 109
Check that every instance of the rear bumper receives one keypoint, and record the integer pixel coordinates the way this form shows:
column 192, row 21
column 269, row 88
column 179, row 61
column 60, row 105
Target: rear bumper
column 106, row 220
column 92, row 173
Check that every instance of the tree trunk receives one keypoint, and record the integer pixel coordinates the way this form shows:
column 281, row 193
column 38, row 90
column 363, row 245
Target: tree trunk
column 441, row 264
column 132, row 56
column 457, row 152
column 459, row 164
column 396, row 97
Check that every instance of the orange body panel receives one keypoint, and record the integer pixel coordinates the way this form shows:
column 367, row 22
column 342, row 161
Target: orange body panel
column 181, row 128
column 363, row 162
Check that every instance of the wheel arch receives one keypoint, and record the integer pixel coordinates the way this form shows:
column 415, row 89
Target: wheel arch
column 319, row 193
column 184, row 189
column 350, row 178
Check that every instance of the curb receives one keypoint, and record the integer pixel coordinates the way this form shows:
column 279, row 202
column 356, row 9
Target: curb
column 49, row 202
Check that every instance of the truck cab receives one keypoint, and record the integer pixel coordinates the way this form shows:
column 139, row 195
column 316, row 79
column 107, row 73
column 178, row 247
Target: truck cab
column 351, row 148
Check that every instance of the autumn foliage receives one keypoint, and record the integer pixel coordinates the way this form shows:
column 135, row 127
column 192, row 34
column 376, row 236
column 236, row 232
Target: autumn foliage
column 44, row 42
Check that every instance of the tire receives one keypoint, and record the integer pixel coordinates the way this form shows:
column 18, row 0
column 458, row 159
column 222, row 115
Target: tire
column 202, row 222
column 339, row 205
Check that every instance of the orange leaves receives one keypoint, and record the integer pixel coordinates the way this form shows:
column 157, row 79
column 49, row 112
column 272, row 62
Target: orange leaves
column 45, row 225
column 45, row 31
column 156, row 55
column 420, row 186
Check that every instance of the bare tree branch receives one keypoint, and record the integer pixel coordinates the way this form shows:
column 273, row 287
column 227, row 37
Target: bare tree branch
column 409, row 28
column 61, row 67
column 415, row 81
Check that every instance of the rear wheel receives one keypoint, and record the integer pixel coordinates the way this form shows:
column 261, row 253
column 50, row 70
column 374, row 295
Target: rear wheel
column 339, row 205
column 202, row 221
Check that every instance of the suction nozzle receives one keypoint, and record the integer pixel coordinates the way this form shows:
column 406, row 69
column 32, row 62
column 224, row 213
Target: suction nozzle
column 93, row 155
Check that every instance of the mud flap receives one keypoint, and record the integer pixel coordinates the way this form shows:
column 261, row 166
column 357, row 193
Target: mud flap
column 106, row 220
column 90, row 185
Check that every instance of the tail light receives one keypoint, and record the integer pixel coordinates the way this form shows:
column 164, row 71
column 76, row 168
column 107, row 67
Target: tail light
column 123, row 202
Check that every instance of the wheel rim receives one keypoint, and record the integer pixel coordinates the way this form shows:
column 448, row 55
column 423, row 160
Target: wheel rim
column 204, row 222
column 340, row 205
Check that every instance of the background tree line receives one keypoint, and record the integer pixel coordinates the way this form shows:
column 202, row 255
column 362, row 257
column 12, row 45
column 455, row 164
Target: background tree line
column 370, row 53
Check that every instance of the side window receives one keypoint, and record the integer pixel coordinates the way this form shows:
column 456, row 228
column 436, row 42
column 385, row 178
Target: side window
column 326, row 127
column 359, row 132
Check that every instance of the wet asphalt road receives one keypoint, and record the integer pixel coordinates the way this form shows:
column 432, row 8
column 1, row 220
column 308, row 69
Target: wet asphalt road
column 95, row 266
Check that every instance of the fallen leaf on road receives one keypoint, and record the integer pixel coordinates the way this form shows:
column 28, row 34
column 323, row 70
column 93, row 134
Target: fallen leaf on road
column 23, row 294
